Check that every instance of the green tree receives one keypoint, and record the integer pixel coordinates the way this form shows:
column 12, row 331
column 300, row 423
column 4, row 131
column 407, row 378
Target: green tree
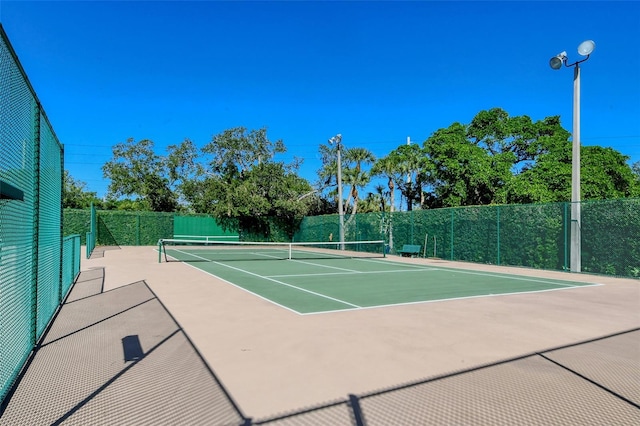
column 604, row 174
column 413, row 171
column 355, row 175
column 136, row 170
column 636, row 168
column 245, row 189
column 124, row 204
column 388, row 168
column 464, row 173
column 75, row 195
column 497, row 159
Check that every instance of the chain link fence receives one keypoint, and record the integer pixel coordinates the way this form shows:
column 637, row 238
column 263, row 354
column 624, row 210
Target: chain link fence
column 37, row 267
column 532, row 235
column 587, row 383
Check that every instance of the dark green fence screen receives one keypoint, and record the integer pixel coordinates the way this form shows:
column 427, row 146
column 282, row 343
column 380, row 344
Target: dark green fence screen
column 532, row 235
column 199, row 227
column 118, row 228
column 36, row 267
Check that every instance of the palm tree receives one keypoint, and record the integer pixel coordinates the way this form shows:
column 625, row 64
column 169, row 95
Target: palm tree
column 353, row 160
column 355, row 176
column 388, row 167
column 381, row 196
column 413, row 171
column 371, row 203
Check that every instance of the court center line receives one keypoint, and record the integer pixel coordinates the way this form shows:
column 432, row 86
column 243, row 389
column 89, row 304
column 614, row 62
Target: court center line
column 276, row 281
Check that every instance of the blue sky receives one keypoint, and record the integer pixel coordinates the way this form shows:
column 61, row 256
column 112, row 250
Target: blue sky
column 376, row 72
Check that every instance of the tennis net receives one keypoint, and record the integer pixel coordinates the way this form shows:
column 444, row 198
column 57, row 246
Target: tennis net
column 180, row 250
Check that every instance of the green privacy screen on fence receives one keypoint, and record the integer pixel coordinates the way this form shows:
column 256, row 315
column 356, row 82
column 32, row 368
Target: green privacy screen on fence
column 18, row 112
column 198, row 227
column 531, row 235
column 36, row 271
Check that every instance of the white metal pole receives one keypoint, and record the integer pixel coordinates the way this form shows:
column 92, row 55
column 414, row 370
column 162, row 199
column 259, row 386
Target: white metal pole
column 424, row 251
column 340, row 207
column 408, row 173
column 434, row 246
column 575, row 176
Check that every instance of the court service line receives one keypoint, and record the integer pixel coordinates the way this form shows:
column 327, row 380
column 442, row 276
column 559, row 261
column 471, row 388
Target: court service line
column 552, row 281
column 507, row 276
column 386, row 262
column 327, row 266
column 352, row 273
column 419, row 302
column 278, row 282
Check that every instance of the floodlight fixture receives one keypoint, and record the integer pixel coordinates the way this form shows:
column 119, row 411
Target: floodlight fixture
column 586, row 47
column 557, row 61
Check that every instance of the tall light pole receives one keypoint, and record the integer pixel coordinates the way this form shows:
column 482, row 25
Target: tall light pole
column 585, row 49
column 337, row 140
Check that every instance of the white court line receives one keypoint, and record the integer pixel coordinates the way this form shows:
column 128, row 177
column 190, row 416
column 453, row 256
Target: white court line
column 517, row 278
column 448, row 299
column 276, row 281
column 357, row 308
column 326, row 266
column 353, row 273
column 386, row 262
column 506, row 276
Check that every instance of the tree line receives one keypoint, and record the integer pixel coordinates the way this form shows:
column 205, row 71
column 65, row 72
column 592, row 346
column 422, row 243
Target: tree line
column 238, row 179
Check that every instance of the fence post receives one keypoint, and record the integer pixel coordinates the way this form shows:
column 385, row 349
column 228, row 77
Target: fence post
column 452, row 216
column 564, row 231
column 36, row 223
column 411, row 213
column 60, row 283
column 498, row 229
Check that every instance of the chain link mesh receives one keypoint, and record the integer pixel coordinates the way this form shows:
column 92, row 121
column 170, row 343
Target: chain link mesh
column 17, row 217
column 532, row 235
column 31, row 249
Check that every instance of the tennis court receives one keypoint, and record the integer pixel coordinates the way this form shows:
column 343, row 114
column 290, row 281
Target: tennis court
column 312, row 278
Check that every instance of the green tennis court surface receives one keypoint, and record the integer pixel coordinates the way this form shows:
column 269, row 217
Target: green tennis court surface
column 322, row 285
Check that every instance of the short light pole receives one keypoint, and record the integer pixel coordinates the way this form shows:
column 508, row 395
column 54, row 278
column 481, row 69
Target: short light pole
column 585, row 49
column 337, row 140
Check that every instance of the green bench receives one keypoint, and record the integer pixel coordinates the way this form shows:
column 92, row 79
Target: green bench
column 410, row 250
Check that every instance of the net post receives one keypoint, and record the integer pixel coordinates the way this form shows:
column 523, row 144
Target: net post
column 160, row 250
column 290, row 250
